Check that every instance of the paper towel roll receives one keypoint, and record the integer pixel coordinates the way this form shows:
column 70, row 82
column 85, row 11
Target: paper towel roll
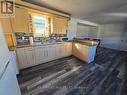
column 31, row 40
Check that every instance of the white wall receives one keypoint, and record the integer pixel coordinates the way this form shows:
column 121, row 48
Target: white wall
column 85, row 31
column 112, row 36
column 93, row 32
column 73, row 26
column 82, row 31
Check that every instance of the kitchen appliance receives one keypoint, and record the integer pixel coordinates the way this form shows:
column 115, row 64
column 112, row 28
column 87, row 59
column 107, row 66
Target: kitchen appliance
column 64, row 39
column 8, row 81
column 12, row 59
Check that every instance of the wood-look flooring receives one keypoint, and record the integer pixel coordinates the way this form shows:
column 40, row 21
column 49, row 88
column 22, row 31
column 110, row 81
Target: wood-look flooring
column 107, row 75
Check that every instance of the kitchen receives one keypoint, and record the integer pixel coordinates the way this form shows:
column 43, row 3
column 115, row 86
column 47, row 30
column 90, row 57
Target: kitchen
column 54, row 53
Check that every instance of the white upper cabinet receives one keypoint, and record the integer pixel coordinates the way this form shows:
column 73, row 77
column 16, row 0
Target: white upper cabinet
column 59, row 25
column 20, row 22
column 6, row 24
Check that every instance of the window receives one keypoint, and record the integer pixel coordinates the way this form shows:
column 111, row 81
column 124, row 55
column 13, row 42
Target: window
column 40, row 24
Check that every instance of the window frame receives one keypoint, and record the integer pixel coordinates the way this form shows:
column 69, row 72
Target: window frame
column 37, row 34
column 46, row 32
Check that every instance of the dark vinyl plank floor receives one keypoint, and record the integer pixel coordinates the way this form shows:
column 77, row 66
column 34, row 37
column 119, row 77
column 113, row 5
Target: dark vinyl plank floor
column 107, row 75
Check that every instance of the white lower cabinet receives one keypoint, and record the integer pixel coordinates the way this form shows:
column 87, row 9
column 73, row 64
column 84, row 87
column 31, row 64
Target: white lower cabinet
column 83, row 52
column 63, row 50
column 39, row 53
column 68, row 49
column 51, row 52
column 26, row 57
column 30, row 56
column 59, row 50
column 44, row 54
column 21, row 56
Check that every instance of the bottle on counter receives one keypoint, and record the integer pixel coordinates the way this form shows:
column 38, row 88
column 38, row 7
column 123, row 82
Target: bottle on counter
column 31, row 40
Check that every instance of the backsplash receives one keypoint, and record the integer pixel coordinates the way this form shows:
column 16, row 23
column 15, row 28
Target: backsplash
column 23, row 38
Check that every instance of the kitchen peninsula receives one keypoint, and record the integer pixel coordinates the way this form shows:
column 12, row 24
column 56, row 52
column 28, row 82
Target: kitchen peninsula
column 31, row 55
column 84, row 49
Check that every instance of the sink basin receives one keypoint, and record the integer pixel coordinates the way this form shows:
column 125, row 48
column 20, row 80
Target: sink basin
column 37, row 43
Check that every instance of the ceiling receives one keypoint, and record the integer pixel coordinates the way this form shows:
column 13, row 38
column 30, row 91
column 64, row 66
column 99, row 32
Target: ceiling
column 99, row 11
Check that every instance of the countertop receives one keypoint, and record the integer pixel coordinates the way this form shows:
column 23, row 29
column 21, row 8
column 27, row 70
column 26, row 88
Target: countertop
column 35, row 44
column 86, row 42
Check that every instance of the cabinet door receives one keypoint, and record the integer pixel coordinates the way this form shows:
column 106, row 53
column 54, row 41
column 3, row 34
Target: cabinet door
column 20, row 22
column 59, row 25
column 75, row 48
column 21, row 58
column 9, row 40
column 68, row 49
column 6, row 24
column 30, row 56
column 44, row 54
column 46, row 59
column 84, row 50
column 81, row 51
column 51, row 52
column 39, row 55
column 60, row 50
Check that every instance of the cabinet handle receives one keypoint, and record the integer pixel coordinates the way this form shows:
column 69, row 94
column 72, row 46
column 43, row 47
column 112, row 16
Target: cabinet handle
column 4, row 70
column 47, row 53
column 44, row 53
column 33, row 56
